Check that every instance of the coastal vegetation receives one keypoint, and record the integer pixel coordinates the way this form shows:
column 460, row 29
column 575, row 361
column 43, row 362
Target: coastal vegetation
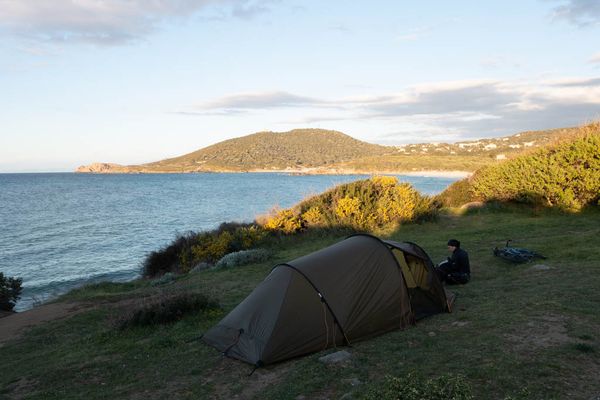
column 370, row 205
column 565, row 174
column 527, row 331
column 366, row 205
column 10, row 291
column 294, row 151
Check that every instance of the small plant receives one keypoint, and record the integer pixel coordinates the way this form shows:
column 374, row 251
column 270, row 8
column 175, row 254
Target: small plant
column 10, row 292
column 584, row 348
column 242, row 257
column 165, row 308
column 414, row 387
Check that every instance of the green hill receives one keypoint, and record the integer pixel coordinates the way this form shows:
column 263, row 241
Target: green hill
column 325, row 151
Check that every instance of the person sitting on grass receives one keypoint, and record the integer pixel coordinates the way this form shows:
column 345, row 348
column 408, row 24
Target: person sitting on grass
column 456, row 269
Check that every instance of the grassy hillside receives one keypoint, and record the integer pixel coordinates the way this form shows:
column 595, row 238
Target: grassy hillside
column 271, row 150
column 323, row 151
column 516, row 332
column 565, row 174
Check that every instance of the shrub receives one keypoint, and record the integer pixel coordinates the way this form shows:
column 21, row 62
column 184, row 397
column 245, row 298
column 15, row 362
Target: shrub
column 171, row 258
column 313, row 216
column 565, row 175
column 211, row 246
column 10, row 292
column 414, row 387
column 243, row 257
column 164, row 309
column 455, row 195
column 284, row 221
column 192, row 249
column 368, row 204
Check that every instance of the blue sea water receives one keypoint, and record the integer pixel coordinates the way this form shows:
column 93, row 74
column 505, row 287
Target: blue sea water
column 59, row 231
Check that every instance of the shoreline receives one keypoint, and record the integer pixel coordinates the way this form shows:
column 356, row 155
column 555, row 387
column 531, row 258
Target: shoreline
column 302, row 171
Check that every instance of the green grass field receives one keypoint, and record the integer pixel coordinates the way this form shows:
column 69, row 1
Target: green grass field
column 516, row 331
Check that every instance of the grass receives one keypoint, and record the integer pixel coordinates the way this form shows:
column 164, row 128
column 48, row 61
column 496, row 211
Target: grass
column 514, row 329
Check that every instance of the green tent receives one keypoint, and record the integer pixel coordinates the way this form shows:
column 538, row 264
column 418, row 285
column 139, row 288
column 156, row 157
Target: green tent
column 355, row 289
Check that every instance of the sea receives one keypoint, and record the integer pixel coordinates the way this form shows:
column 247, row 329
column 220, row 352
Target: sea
column 59, row 231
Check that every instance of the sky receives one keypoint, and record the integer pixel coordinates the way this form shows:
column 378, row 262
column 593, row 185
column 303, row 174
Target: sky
column 134, row 81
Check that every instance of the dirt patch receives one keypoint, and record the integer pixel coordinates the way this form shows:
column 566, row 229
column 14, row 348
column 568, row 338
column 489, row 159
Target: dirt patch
column 543, row 332
column 248, row 384
column 12, row 326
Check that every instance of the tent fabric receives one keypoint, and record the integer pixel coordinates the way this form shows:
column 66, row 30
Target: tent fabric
column 352, row 290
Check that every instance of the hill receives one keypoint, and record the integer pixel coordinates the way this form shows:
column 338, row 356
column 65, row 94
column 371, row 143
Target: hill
column 324, row 151
column 296, row 149
column 563, row 174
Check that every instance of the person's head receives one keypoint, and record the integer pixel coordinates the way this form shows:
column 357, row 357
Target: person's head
column 453, row 244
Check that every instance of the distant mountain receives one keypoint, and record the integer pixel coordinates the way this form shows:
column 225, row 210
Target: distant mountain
column 325, row 151
column 296, row 149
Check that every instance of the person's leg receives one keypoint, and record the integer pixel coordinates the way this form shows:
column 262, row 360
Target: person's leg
column 442, row 270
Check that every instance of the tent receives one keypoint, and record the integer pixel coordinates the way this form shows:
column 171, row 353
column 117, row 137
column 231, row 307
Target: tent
column 355, row 289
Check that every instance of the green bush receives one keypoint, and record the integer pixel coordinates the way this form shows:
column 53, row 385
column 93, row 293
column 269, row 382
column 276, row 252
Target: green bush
column 414, row 387
column 242, row 257
column 565, row 175
column 171, row 258
column 164, row 309
column 367, row 205
column 192, row 248
column 455, row 195
column 10, row 292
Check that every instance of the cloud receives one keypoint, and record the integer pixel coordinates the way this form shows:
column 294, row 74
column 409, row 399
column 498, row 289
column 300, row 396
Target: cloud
column 413, row 34
column 579, row 83
column 595, row 59
column 579, row 12
column 262, row 100
column 471, row 98
column 107, row 22
column 442, row 111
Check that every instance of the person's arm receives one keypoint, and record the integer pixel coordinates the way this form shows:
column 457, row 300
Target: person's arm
column 462, row 263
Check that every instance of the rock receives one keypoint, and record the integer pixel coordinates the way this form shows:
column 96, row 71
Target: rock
column 337, row 357
column 460, row 323
column 99, row 168
column 541, row 267
column 432, row 334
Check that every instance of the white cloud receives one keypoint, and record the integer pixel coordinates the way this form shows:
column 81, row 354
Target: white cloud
column 463, row 109
column 260, row 100
column 579, row 12
column 105, row 21
column 595, row 59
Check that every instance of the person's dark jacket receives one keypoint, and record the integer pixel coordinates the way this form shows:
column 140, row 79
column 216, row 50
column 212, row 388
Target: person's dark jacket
column 459, row 262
